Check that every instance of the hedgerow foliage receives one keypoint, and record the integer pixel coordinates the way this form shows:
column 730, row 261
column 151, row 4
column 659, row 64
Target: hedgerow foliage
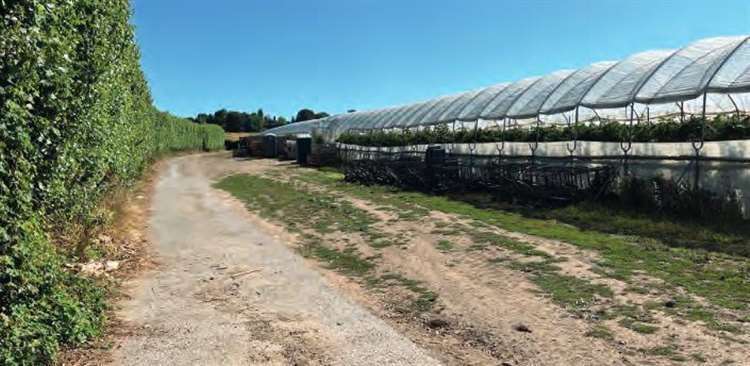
column 720, row 128
column 76, row 119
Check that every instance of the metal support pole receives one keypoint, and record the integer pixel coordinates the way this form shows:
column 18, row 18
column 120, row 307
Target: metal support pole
column 380, row 144
column 682, row 111
column 574, row 134
column 598, row 117
column 473, row 144
column 736, row 109
column 637, row 115
column 403, row 142
column 415, row 146
column 626, row 112
column 535, row 145
column 626, row 146
column 453, row 138
column 501, row 148
column 698, row 144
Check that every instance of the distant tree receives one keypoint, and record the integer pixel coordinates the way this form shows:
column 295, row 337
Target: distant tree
column 351, row 110
column 220, row 118
column 304, row 115
column 257, row 121
column 236, row 121
column 202, row 118
column 281, row 121
column 274, row 122
column 247, row 125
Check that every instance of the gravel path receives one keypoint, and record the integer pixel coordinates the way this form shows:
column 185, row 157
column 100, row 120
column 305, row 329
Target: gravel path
column 228, row 291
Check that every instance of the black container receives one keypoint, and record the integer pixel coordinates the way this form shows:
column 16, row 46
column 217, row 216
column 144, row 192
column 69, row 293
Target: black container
column 269, row 146
column 304, row 148
column 434, row 156
column 285, row 148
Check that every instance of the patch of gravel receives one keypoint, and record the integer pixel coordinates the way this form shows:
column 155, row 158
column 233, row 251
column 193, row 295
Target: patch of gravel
column 228, row 291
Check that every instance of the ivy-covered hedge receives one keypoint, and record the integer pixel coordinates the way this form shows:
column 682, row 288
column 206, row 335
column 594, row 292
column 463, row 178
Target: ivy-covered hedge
column 719, row 128
column 76, row 120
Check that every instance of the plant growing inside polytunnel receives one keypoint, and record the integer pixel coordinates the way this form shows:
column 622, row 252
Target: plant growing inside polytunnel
column 718, row 128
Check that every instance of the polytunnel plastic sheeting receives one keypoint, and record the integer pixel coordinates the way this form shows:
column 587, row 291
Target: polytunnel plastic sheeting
column 401, row 119
column 343, row 122
column 381, row 119
column 362, row 119
column 413, row 118
column 451, row 113
column 569, row 94
column 306, row 127
column 741, row 100
column 347, row 120
column 330, row 123
column 337, row 124
column 279, row 131
column 618, row 86
column 549, row 119
column 715, row 103
column 734, row 75
column 324, row 125
column 651, row 81
column 369, row 121
column 472, row 110
column 392, row 119
column 297, row 128
column 432, row 115
column 688, row 71
column 373, row 121
column 498, row 107
column 529, row 103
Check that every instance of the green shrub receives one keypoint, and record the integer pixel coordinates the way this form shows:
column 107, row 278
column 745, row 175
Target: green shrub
column 720, row 128
column 76, row 120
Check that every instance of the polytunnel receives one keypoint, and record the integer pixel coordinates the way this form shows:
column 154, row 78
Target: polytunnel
column 710, row 75
column 644, row 116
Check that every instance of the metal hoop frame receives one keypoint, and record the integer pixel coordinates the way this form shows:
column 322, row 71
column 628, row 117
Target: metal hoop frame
column 501, row 147
column 574, row 134
column 699, row 143
column 626, row 146
column 453, row 138
column 534, row 146
column 736, row 108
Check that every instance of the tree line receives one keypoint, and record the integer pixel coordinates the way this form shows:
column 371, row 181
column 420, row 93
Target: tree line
column 236, row 121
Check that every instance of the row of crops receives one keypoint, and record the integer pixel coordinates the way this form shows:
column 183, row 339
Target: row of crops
column 76, row 122
column 718, row 128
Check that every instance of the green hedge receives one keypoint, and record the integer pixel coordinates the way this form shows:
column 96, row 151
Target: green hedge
column 76, row 120
column 719, row 128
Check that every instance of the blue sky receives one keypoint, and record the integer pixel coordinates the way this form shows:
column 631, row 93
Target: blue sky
column 334, row 55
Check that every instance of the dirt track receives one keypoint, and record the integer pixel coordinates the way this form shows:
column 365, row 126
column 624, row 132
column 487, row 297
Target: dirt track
column 229, row 291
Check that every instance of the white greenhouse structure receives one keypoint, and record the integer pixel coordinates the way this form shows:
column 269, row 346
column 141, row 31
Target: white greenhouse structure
column 707, row 77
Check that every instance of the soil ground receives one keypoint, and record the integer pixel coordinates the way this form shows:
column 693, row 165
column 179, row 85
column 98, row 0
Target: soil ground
column 239, row 284
column 229, row 291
